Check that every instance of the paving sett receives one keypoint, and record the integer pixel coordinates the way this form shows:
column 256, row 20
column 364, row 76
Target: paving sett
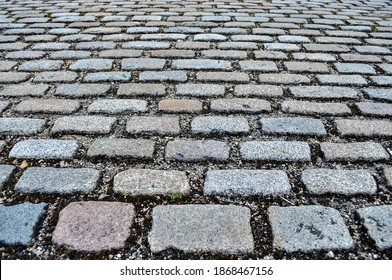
column 254, row 103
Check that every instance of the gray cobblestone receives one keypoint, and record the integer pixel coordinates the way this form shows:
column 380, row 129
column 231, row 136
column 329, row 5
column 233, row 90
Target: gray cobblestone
column 55, row 77
column 354, row 68
column 308, row 228
column 57, row 180
column 255, row 65
column 219, row 124
column 382, row 80
column 197, row 150
column 153, row 125
column 375, row 109
column 306, row 67
column 115, row 106
column 275, row 151
column 201, row 228
column 284, row 79
column 314, row 57
column 180, row 106
column 315, row 108
column 239, row 182
column 201, row 64
column 82, row 90
column 70, row 54
column 163, row 76
column 122, row 148
column 5, row 173
column 258, row 90
column 293, row 126
column 13, row 77
column 142, row 64
column 112, row 76
column 384, row 94
column 7, row 65
column 4, row 105
column 91, row 64
column 352, row 80
column 145, row 45
column 233, row 77
column 21, row 126
column 44, row 149
column 59, row 106
column 353, row 152
column 83, row 125
column 24, row 90
column 151, row 182
column 244, row 105
column 324, row 92
column 347, row 182
column 368, row 128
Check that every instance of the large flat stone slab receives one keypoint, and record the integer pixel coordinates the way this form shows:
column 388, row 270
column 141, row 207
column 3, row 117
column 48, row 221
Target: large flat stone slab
column 44, row 149
column 378, row 222
column 94, row 226
column 57, row 180
column 308, row 229
column 241, row 182
column 348, row 182
column 151, row 182
column 201, row 228
column 19, row 223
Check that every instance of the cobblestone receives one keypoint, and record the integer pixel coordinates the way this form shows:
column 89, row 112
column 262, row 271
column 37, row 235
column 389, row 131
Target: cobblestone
column 359, row 151
column 5, row 173
column 368, row 128
column 82, row 90
column 324, row 92
column 122, row 148
column 294, row 126
column 220, row 125
column 197, row 150
column 44, row 149
column 83, row 125
column 24, row 90
column 21, row 126
column 153, row 125
column 244, row 105
column 180, row 106
column 59, row 106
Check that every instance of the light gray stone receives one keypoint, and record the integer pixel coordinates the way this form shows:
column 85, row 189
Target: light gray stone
column 123, row 148
column 308, row 229
column 377, row 221
column 324, row 92
column 57, row 180
column 112, row 76
column 367, row 128
column 92, row 64
column 295, row 126
column 151, row 182
column 219, row 124
column 282, row 151
column 241, row 182
column 52, row 105
column 116, row 106
column 347, row 182
column 196, row 150
column 5, row 173
column 44, row 149
column 19, row 223
column 84, row 125
column 200, row 90
column 357, row 151
column 388, row 175
column 384, row 94
column 21, row 126
column 82, row 90
column 201, row 64
column 201, row 228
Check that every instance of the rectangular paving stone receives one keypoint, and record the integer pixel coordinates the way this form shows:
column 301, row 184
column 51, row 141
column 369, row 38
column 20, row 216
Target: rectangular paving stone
column 341, row 80
column 13, row 77
column 293, row 126
column 136, row 89
column 180, row 106
column 280, row 151
column 388, row 175
column 224, row 54
column 120, row 53
column 57, row 180
column 151, row 182
column 153, row 125
column 5, row 173
column 110, row 76
column 233, row 77
column 347, row 182
column 355, row 57
column 173, row 53
column 352, row 152
column 372, row 49
column 201, row 228
column 41, row 65
column 44, row 149
column 283, row 79
column 6, row 65
column 382, row 80
column 115, row 106
column 306, row 67
column 329, row 48
column 354, row 68
column 315, row 108
column 374, row 109
column 146, row 45
column 82, row 90
column 258, row 91
column 324, row 92
column 19, row 223
column 94, row 226
column 4, row 105
column 201, row 64
column 220, row 125
column 367, row 128
column 241, row 182
column 21, row 126
column 48, row 106
column 255, row 65
column 83, row 125
column 243, row 105
column 377, row 221
column 314, row 57
column 196, row 150
column 308, row 229
column 270, row 55
column 200, row 90
column 163, row 76
column 23, row 90
column 92, row 64
column 384, row 94
column 55, row 77
column 121, row 148
column 143, row 64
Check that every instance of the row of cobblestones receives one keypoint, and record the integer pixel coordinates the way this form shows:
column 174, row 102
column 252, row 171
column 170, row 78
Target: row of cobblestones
column 195, row 129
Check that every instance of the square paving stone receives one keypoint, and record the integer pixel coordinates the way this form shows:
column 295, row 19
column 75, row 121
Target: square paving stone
column 57, row 180
column 93, row 226
column 44, row 149
column 378, row 222
column 19, row 223
column 201, row 228
column 241, row 182
column 5, row 173
column 151, row 182
column 308, row 229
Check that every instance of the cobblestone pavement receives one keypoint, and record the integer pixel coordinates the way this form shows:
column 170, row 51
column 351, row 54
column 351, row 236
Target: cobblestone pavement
column 196, row 129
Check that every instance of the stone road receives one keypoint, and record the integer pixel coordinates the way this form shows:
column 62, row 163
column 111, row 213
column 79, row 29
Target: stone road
column 168, row 129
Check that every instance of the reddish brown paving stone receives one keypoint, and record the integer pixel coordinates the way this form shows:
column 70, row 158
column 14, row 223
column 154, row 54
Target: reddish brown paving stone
column 93, row 226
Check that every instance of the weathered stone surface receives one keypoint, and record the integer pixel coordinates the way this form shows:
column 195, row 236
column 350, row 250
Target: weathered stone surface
column 368, row 128
column 55, row 77
column 84, row 125
column 315, row 108
column 324, row 92
column 92, row 226
column 82, row 90
column 151, row 182
column 123, row 148
column 258, row 90
column 48, row 106
column 5, row 173
column 153, row 125
column 57, row 180
column 384, row 94
column 347, row 182
column 4, row 105
column 375, row 109
column 308, row 229
column 116, row 106
column 220, row 125
column 197, row 150
column 163, row 76
column 377, row 221
column 289, row 151
column 180, row 106
column 201, row 228
column 24, row 90
column 201, row 90
column 44, row 149
column 19, row 223
column 388, row 175
column 112, row 76
column 358, row 151
column 21, row 126
column 242, row 105
column 135, row 89
column 241, row 182
column 296, row 126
